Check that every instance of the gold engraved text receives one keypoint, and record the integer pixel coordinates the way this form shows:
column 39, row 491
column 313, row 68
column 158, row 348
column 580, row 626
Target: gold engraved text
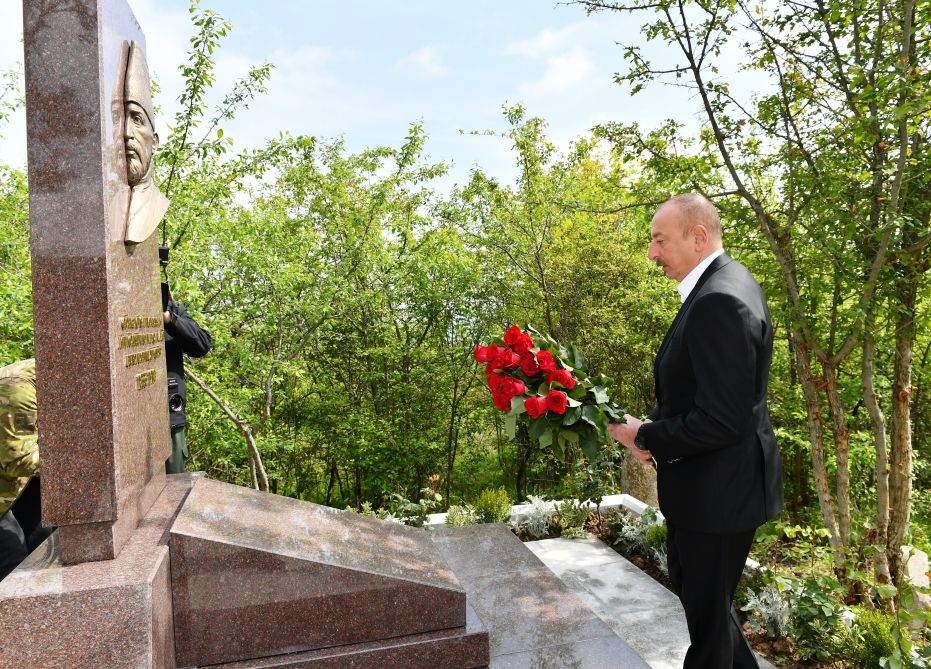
column 140, row 322
column 143, row 356
column 146, row 379
column 129, row 341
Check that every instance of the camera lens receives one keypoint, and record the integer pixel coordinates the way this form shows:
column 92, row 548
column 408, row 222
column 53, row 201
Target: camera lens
column 175, row 403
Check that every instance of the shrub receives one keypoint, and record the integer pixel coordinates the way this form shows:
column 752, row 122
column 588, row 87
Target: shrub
column 539, row 516
column 415, row 513
column 570, row 517
column 458, row 516
column 630, row 535
column 656, row 537
column 874, row 638
column 493, row 506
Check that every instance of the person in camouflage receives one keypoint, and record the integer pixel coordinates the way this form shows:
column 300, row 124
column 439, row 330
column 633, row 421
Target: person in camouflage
column 19, row 455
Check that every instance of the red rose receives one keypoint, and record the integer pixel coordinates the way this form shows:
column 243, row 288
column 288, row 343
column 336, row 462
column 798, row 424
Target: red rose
column 502, row 401
column 535, row 406
column 546, row 361
column 556, row 401
column 523, row 344
column 512, row 335
column 497, row 382
column 484, row 353
column 506, row 359
column 528, row 365
column 515, row 387
column 562, row 377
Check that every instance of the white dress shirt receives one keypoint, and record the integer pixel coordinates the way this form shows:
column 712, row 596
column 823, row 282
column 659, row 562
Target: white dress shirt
column 688, row 283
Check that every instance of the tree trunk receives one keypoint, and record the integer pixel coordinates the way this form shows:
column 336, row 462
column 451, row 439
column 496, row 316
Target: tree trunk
column 900, row 452
column 816, row 435
column 256, row 468
column 842, row 450
column 878, row 423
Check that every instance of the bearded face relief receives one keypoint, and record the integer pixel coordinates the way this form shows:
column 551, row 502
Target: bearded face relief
column 147, row 205
column 141, row 141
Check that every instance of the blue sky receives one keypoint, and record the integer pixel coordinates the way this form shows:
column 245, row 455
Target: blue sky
column 365, row 70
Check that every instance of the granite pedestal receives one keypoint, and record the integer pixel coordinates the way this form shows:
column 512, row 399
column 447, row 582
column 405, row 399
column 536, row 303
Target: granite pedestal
column 257, row 575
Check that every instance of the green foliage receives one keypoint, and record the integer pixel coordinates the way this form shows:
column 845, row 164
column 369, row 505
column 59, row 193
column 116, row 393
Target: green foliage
column 16, row 341
column 493, row 506
column 656, row 537
column 873, row 637
column 630, row 534
column 570, row 517
column 366, row 510
column 415, row 513
column 461, row 515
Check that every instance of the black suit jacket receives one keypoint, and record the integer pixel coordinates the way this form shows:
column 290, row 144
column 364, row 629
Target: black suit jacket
column 718, row 466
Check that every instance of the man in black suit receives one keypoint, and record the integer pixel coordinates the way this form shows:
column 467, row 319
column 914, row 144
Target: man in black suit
column 719, row 475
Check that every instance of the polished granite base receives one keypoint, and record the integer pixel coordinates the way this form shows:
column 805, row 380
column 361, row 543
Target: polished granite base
column 257, row 575
column 112, row 613
column 534, row 621
column 257, row 581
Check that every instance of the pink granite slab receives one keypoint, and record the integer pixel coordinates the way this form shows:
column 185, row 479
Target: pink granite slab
column 459, row 648
column 102, row 439
column 533, row 619
column 298, row 576
column 115, row 613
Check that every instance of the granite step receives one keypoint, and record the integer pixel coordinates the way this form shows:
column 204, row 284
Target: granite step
column 640, row 610
column 533, row 619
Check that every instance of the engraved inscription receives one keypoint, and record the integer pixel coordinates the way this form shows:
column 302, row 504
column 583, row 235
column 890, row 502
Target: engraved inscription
column 134, row 359
column 146, row 378
column 139, row 339
column 140, row 322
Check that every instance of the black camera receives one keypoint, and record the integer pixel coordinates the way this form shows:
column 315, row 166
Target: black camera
column 163, row 256
column 175, row 401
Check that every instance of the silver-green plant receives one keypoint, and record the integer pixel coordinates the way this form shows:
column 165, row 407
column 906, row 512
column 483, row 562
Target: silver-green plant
column 539, row 516
column 771, row 609
column 459, row 516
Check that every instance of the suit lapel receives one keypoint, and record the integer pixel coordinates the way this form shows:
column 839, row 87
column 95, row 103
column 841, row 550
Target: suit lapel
column 715, row 265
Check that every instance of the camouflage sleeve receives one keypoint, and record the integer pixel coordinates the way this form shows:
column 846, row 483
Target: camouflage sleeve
column 19, row 451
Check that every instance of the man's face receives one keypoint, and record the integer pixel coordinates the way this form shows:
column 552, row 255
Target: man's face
column 141, row 141
column 676, row 253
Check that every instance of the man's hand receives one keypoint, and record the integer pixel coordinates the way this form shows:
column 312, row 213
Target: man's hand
column 625, row 434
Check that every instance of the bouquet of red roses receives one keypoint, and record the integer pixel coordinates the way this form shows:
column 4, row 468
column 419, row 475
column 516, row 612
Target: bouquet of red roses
column 531, row 373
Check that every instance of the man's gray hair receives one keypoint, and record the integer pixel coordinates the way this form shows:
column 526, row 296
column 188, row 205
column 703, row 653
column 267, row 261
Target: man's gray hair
column 696, row 209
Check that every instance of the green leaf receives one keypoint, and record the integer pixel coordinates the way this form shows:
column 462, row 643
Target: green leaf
column 537, row 426
column 590, row 444
column 510, row 425
column 572, row 415
column 600, row 393
column 578, row 359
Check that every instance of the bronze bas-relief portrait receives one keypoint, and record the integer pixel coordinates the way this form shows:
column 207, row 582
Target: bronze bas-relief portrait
column 147, row 205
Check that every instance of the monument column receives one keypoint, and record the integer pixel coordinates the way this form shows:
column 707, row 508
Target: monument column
column 103, row 421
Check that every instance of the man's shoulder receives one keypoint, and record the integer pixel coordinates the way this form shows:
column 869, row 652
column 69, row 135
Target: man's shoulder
column 19, row 372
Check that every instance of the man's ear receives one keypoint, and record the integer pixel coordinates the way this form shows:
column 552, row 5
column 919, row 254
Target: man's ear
column 154, row 141
column 700, row 235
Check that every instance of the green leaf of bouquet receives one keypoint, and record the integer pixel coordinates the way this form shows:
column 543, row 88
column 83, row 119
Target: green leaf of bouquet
column 578, row 359
column 600, row 394
column 546, row 439
column 537, row 427
column 591, row 415
column 510, row 425
column 590, row 444
column 572, row 415
column 517, row 405
column 572, row 402
column 578, row 392
column 570, row 436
